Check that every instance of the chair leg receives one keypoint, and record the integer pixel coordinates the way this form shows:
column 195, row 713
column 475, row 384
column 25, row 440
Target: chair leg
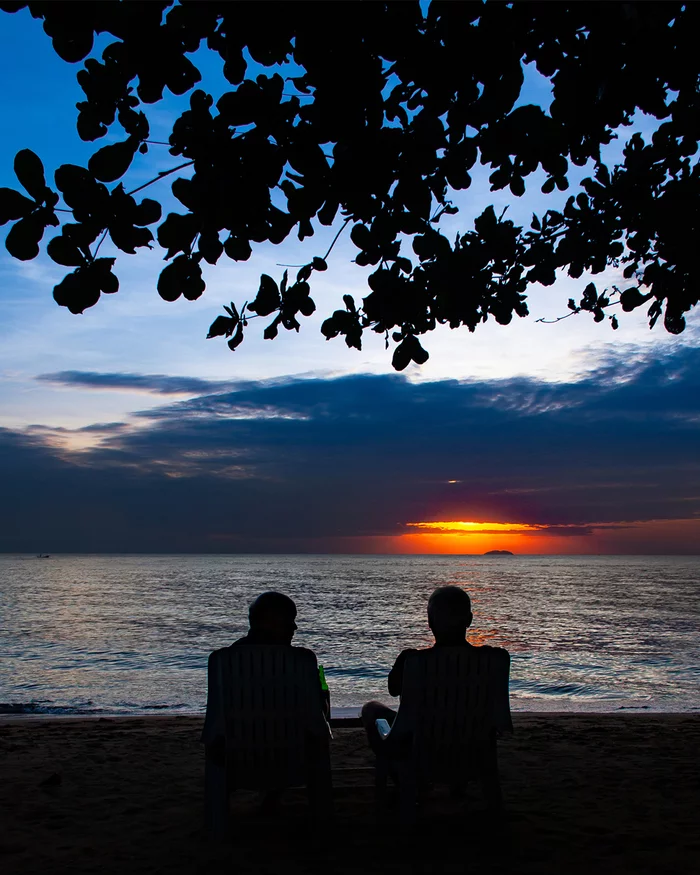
column 381, row 774
column 216, row 815
column 408, row 793
column 492, row 792
column 491, row 780
column 319, row 785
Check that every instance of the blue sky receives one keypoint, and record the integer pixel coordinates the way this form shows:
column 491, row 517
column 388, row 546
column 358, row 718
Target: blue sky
column 130, row 341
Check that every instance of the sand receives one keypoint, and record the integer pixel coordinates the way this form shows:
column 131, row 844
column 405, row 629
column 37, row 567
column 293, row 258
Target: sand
column 584, row 793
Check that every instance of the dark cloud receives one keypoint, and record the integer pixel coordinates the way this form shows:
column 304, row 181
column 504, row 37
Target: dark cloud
column 158, row 384
column 104, row 428
column 285, row 464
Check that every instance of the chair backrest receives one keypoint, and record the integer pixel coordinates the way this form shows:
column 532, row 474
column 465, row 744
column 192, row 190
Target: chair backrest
column 271, row 701
column 452, row 701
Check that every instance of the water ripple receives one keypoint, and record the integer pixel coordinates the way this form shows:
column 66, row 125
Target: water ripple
column 127, row 634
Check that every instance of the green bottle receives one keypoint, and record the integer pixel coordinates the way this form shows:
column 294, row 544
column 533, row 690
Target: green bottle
column 322, row 678
column 325, row 693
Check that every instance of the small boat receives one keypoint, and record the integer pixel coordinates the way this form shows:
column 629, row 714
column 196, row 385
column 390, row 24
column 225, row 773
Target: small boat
column 43, row 556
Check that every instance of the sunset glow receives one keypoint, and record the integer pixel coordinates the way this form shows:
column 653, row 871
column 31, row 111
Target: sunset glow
column 472, row 528
column 650, row 536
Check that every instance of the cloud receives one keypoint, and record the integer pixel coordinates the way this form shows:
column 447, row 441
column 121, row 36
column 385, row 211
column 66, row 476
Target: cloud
column 256, row 466
column 104, row 428
column 158, row 384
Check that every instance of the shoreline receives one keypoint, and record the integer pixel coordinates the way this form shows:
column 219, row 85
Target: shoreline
column 339, row 715
column 336, row 722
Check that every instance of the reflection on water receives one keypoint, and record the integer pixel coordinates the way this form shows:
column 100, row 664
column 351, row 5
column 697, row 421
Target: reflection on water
column 132, row 632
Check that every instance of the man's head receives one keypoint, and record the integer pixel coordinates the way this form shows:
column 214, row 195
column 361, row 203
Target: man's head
column 272, row 615
column 449, row 613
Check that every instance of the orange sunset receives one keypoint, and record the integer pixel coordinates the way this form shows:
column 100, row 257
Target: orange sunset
column 349, row 437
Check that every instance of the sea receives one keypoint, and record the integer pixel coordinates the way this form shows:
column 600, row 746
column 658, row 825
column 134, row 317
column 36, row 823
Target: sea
column 127, row 634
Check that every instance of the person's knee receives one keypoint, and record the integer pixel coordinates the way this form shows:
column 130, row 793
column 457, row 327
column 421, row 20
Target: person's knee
column 369, row 711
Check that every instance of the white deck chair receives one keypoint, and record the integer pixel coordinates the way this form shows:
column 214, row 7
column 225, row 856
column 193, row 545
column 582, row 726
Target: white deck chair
column 266, row 702
column 453, row 701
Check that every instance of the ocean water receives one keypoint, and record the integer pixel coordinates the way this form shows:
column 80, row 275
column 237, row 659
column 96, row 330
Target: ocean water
column 131, row 634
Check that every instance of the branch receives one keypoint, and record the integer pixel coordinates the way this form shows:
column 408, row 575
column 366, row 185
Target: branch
column 335, row 239
column 573, row 313
column 102, row 240
column 161, row 175
column 559, row 318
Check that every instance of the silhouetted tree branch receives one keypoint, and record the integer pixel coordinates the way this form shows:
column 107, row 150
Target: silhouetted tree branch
column 394, row 108
column 161, row 175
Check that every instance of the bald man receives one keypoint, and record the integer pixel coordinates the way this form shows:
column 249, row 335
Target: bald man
column 449, row 617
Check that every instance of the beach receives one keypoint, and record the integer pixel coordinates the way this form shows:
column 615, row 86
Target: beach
column 583, row 792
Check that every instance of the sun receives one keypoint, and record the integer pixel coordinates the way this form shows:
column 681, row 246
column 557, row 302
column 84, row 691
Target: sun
column 468, row 536
column 461, row 527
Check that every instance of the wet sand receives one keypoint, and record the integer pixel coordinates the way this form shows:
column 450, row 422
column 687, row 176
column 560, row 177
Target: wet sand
column 584, row 793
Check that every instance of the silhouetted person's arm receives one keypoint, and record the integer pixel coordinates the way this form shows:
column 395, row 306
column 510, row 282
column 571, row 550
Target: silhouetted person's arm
column 396, row 674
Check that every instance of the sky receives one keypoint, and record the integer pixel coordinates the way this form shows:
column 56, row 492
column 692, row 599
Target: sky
column 124, row 430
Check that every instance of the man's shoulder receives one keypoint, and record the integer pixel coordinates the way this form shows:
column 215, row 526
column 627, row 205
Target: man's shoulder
column 217, row 654
column 304, row 653
column 493, row 654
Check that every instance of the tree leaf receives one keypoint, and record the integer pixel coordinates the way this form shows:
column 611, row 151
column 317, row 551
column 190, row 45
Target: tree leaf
column 64, row 251
column 170, row 281
column 73, row 44
column 631, row 299
column 268, row 298
column 111, row 162
column 402, row 356
column 237, row 338
column 210, row 247
column 177, row 232
column 272, row 329
column 307, row 306
column 222, row 325
column 81, row 191
column 147, row 212
column 237, row 248
column 101, row 269
column 77, row 291
column 22, row 242
column 517, row 186
column 30, row 172
column 419, row 355
column 128, row 237
column 13, row 205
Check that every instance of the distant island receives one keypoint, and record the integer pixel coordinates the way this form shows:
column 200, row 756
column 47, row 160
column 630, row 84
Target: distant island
column 499, row 553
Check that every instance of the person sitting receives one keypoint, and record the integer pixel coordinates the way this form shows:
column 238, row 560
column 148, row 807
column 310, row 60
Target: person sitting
column 271, row 620
column 449, row 617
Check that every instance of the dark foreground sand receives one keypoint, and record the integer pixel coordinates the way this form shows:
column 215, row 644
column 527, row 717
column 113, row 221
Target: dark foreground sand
column 614, row 793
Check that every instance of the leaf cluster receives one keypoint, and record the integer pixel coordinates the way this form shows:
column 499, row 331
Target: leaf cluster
column 385, row 112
